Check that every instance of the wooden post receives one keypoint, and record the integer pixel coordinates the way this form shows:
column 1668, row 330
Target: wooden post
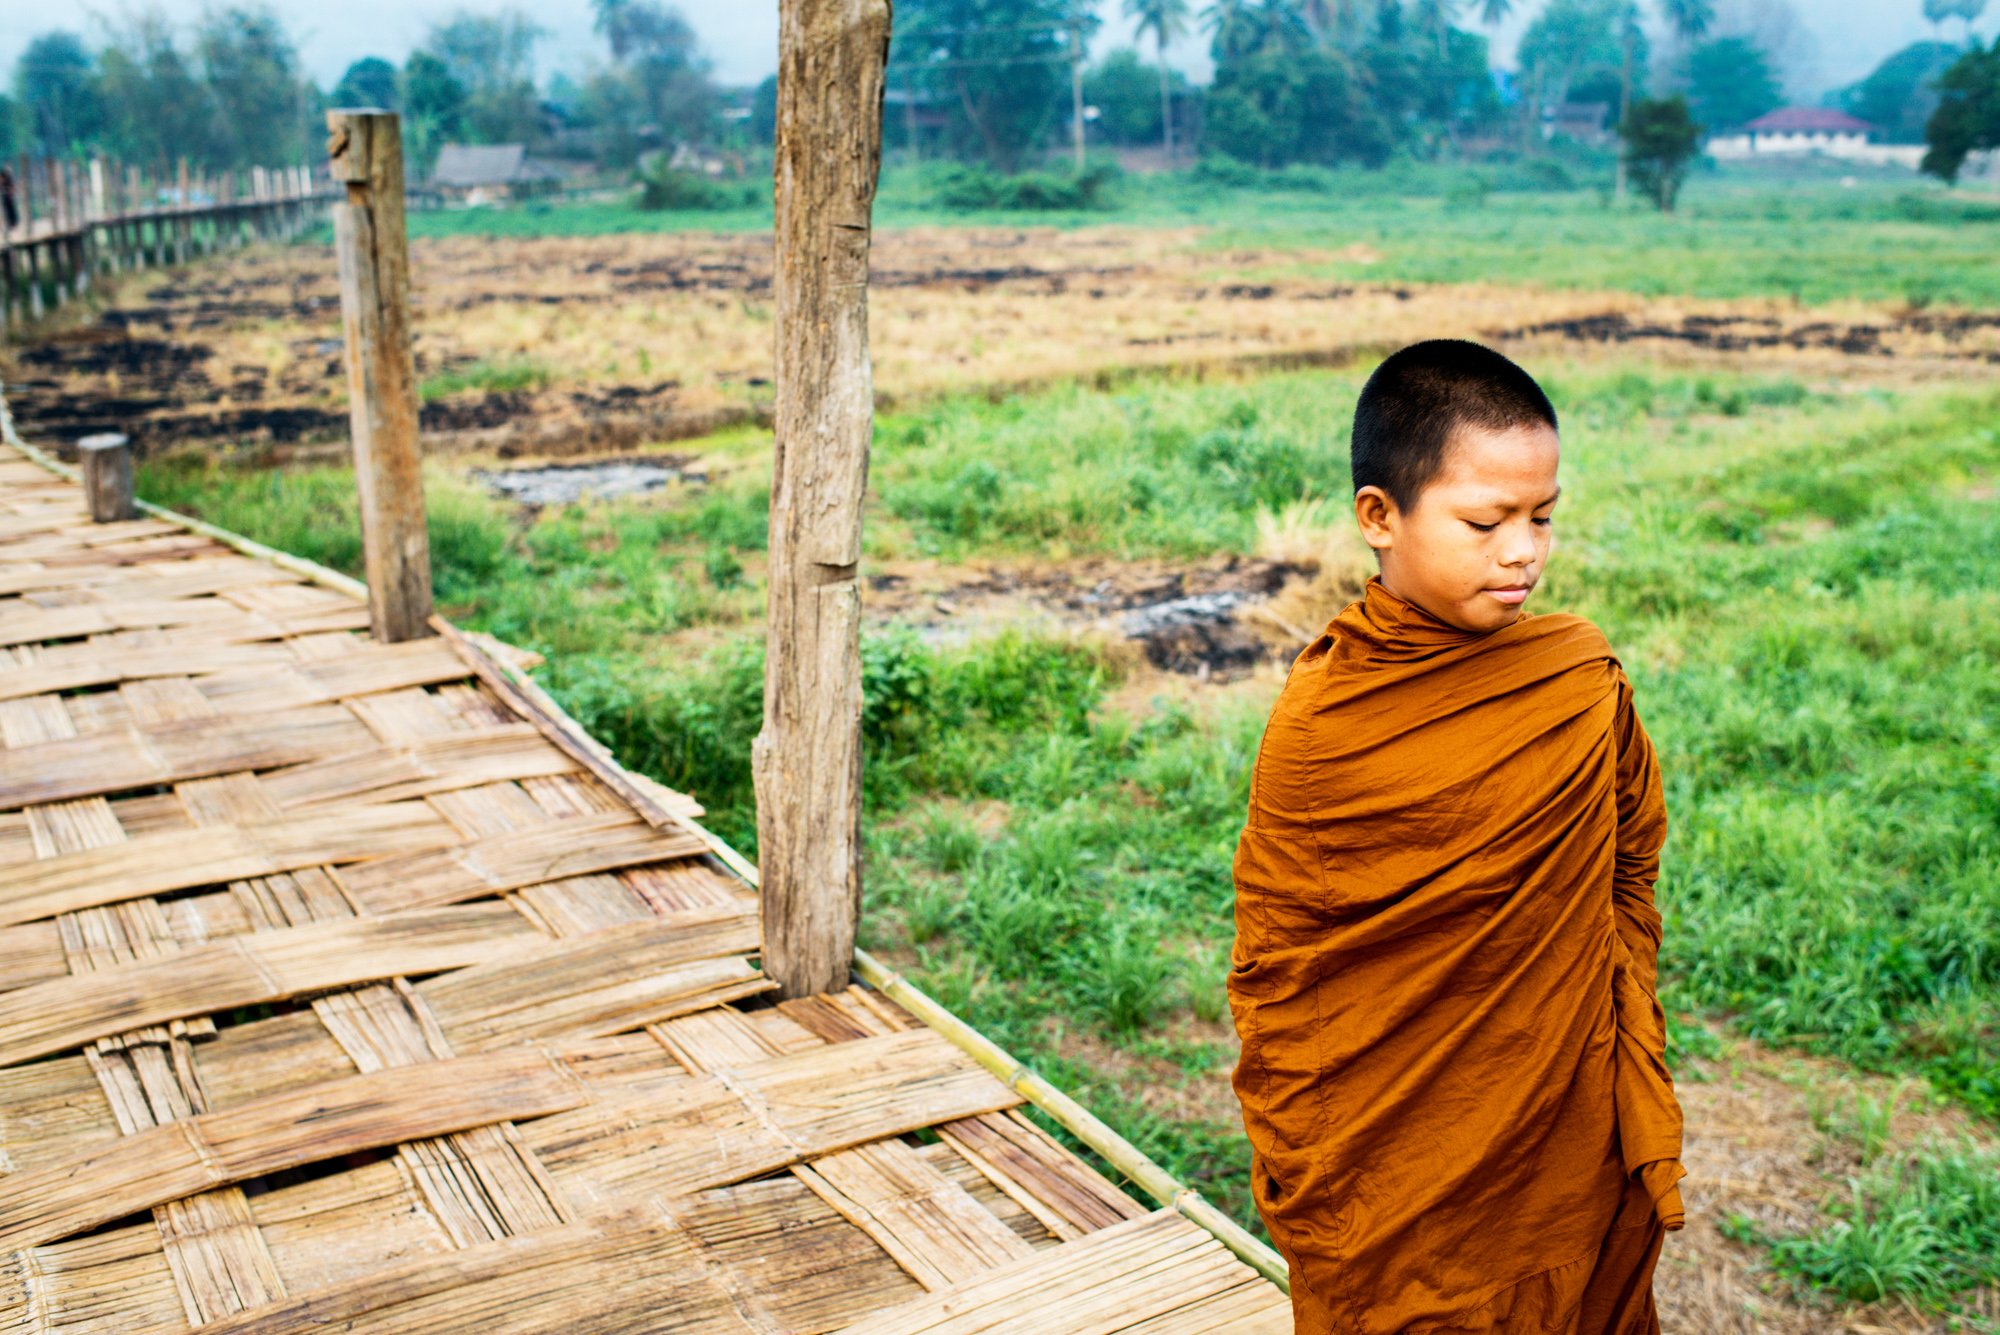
column 807, row 760
column 365, row 149
column 24, row 195
column 107, row 476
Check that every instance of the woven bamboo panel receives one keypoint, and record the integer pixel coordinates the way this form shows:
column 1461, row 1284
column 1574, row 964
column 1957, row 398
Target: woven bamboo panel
column 340, row 989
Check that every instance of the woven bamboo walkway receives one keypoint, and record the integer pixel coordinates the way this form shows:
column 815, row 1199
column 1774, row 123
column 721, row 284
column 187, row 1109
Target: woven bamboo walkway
column 255, row 867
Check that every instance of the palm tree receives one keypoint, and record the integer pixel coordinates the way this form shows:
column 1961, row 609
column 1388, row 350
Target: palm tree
column 1937, row 11
column 1689, row 18
column 1233, row 28
column 1433, row 18
column 1492, row 12
column 1333, row 20
column 1284, row 26
column 1166, row 20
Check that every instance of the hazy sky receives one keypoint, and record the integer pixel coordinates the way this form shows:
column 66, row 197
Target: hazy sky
column 1844, row 39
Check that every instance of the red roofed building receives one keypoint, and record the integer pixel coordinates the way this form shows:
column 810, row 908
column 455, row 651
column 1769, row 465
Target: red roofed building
column 1797, row 130
column 1808, row 121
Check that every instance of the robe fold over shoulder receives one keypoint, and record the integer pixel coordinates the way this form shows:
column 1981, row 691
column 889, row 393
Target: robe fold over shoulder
column 1444, row 979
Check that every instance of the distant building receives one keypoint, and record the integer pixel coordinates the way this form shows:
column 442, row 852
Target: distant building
column 1581, row 122
column 1795, row 130
column 484, row 173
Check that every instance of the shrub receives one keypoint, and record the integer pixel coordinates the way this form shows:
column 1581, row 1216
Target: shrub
column 968, row 188
column 663, row 187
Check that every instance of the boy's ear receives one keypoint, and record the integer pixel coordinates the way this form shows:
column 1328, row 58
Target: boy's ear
column 1375, row 511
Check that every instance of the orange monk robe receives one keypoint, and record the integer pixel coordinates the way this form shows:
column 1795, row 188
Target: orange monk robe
column 1452, row 1073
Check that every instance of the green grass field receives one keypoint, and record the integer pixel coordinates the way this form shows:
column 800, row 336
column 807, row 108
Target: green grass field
column 1802, row 577
column 1804, row 584
column 1799, row 233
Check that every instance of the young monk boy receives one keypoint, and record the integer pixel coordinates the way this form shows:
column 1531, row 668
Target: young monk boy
column 1452, row 1072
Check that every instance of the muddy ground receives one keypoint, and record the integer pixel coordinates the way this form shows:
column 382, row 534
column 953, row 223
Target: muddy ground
column 1194, row 619
column 559, row 346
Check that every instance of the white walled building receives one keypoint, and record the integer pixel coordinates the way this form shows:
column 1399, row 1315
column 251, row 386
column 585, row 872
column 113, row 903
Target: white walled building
column 1822, row 130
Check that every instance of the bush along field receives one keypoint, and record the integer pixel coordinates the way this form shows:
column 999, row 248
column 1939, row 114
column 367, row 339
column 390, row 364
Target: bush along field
column 1803, row 580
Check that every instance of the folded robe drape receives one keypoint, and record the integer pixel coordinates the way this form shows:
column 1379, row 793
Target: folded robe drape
column 1453, row 1072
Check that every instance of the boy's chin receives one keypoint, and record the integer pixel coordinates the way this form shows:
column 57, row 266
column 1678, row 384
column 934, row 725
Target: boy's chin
column 1483, row 612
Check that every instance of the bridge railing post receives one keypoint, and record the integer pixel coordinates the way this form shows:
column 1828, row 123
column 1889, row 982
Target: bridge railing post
column 806, row 762
column 106, row 463
column 365, row 151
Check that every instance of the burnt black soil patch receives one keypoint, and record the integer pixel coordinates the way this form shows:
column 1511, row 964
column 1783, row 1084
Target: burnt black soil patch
column 476, row 413
column 1724, row 333
column 1184, row 621
column 100, row 351
column 153, row 424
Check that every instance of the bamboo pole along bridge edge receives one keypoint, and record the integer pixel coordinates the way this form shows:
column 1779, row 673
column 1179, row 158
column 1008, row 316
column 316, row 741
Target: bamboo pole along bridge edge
column 1072, row 1116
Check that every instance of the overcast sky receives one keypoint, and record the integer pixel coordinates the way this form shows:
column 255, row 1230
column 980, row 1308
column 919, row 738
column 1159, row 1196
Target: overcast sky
column 1844, row 39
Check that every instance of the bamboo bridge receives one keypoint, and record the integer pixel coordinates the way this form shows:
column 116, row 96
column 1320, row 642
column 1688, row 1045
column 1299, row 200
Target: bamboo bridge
column 349, row 984
column 77, row 218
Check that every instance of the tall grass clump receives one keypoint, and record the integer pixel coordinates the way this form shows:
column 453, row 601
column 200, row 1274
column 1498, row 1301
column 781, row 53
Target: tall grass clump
column 1924, row 1226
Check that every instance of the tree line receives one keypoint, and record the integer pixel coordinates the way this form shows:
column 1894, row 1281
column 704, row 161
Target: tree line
column 1312, row 81
column 1002, row 83
column 228, row 91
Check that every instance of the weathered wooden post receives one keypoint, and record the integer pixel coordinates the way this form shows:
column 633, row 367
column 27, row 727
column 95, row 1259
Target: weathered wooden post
column 106, row 462
column 183, row 224
column 365, row 150
column 807, row 760
column 25, row 188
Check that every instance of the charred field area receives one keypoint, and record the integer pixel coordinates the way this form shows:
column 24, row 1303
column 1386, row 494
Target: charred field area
column 551, row 346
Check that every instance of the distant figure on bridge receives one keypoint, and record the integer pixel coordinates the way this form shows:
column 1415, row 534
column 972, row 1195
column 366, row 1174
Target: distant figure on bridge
column 8, row 209
column 1453, row 1071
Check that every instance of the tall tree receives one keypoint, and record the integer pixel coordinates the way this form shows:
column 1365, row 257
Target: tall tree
column 1568, row 42
column 1433, row 18
column 433, row 107
column 634, row 26
column 56, row 80
column 491, row 57
column 1234, row 29
column 1688, row 18
column 156, row 105
column 1899, row 95
column 1937, row 11
column 1166, row 20
column 998, row 67
column 660, row 65
column 1492, row 13
column 1730, row 82
column 368, row 82
column 1121, row 88
column 1967, row 118
column 252, row 69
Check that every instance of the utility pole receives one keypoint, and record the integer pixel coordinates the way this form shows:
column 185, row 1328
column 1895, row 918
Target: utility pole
column 1626, row 26
column 807, row 760
column 1076, row 92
